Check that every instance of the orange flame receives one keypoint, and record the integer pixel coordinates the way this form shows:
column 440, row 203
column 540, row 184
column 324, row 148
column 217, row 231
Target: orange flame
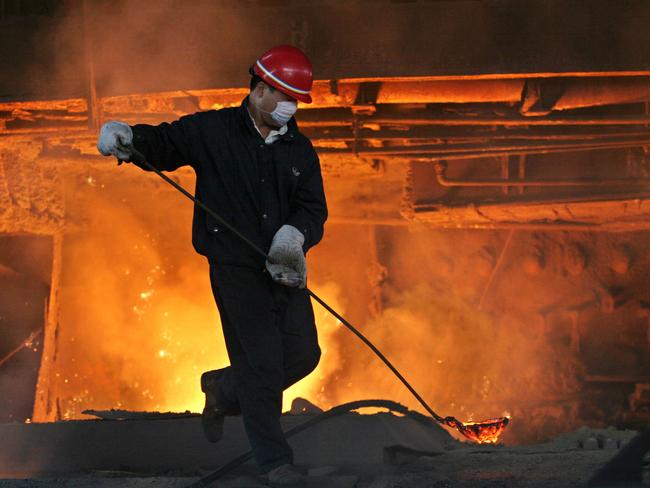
column 155, row 329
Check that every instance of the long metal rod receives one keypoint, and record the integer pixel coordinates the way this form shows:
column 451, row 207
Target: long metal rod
column 141, row 159
column 26, row 343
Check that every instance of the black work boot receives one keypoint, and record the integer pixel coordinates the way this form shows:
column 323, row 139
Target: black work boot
column 215, row 409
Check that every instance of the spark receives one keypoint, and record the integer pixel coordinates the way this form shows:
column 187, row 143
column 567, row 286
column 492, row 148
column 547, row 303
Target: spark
column 145, row 295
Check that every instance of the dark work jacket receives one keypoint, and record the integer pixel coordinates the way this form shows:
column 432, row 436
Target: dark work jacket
column 254, row 186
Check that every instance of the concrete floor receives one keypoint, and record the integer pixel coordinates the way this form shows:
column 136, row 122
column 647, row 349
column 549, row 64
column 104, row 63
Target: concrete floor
column 526, row 467
column 360, row 450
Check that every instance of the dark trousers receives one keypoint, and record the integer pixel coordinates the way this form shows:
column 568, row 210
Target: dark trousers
column 271, row 339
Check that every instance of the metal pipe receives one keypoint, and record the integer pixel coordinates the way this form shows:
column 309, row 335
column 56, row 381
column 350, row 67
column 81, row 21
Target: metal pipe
column 421, row 134
column 521, row 171
column 328, row 121
column 371, row 221
column 94, row 110
column 431, row 119
column 505, row 172
column 442, row 180
column 441, row 151
column 537, row 226
column 421, row 123
column 476, row 155
column 430, row 135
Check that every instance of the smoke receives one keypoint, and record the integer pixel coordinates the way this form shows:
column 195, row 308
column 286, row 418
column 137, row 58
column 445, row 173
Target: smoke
column 134, row 47
column 138, row 324
column 465, row 362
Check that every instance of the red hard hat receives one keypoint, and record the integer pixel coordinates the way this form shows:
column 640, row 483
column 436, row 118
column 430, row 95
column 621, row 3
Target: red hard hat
column 288, row 69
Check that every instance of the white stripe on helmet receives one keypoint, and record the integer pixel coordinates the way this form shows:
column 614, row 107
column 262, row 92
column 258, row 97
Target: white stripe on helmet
column 279, row 81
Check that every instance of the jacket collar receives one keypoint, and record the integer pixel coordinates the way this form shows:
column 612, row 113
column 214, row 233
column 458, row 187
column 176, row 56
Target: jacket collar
column 292, row 125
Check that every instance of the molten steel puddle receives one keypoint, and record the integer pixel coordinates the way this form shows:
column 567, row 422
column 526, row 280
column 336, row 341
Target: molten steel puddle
column 484, row 432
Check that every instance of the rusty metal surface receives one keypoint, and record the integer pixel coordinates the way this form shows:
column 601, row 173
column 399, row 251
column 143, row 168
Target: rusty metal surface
column 362, row 126
column 602, row 214
column 31, row 199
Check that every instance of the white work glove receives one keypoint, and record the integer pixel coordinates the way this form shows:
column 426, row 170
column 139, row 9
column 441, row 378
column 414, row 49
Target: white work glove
column 115, row 138
column 286, row 263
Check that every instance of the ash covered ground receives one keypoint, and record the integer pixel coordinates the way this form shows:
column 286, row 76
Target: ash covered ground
column 569, row 460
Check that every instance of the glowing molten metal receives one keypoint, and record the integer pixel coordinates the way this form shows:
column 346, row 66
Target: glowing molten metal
column 484, row 432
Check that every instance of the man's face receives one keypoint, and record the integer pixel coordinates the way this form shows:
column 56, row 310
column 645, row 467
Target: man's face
column 267, row 98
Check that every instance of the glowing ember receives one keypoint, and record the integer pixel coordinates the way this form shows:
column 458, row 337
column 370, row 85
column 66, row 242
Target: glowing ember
column 484, row 432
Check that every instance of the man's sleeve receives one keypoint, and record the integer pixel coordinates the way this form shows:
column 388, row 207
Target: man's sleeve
column 308, row 211
column 168, row 146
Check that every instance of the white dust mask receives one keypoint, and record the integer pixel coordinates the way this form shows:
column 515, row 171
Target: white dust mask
column 283, row 111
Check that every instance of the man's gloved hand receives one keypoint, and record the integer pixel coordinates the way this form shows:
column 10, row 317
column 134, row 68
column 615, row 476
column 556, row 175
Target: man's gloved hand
column 115, row 138
column 287, row 263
